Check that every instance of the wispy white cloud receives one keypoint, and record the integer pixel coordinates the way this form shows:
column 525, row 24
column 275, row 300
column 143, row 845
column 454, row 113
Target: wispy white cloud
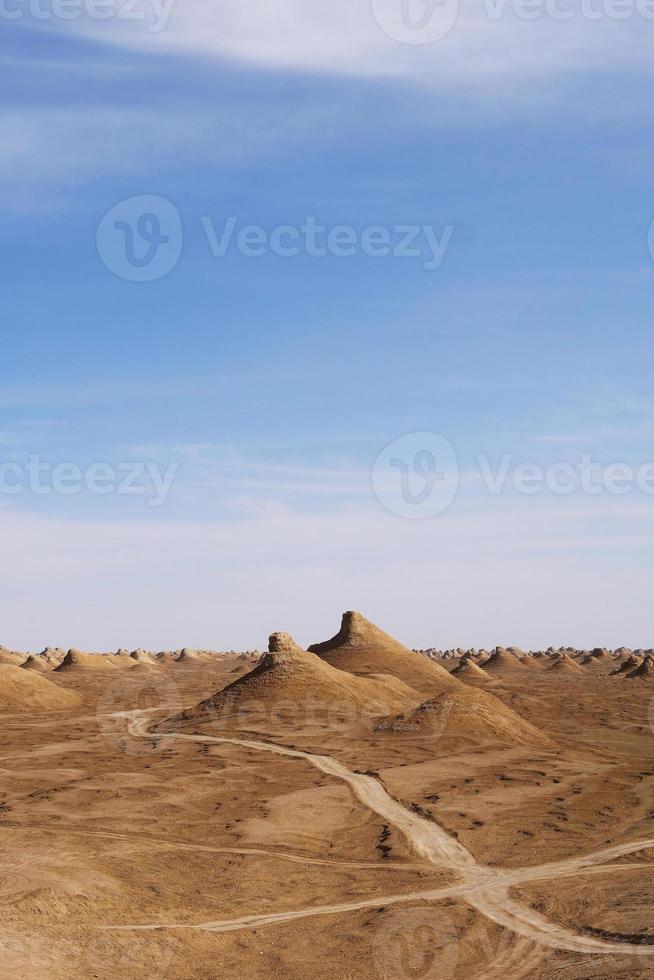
column 481, row 51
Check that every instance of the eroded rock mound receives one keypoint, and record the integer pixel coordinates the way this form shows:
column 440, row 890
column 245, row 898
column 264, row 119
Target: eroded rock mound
column 290, row 683
column 470, row 714
column 645, row 672
column 470, row 672
column 565, row 665
column 362, row 648
column 36, row 663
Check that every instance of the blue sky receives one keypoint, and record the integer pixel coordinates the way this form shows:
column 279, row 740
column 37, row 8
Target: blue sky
column 271, row 384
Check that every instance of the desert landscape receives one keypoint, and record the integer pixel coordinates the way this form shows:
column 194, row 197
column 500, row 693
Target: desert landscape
column 354, row 809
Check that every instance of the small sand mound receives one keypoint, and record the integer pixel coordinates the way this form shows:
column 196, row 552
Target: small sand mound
column 76, row 660
column 36, row 663
column 187, row 656
column 25, row 690
column 645, row 672
column 53, row 655
column 142, row 667
column 470, row 672
column 502, row 662
column 289, row 681
column 630, row 664
column 565, row 665
column 12, row 659
column 468, row 713
column 529, row 661
column 141, row 657
column 362, row 648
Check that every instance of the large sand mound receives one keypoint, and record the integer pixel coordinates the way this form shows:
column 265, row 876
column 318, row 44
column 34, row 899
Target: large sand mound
column 468, row 713
column 288, row 682
column 360, row 647
column 22, row 690
column 76, row 660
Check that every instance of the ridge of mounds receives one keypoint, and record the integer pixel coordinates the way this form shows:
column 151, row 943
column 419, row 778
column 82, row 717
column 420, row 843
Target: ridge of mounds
column 288, row 679
column 467, row 713
column 27, row 690
column 361, row 648
column 645, row 671
column 75, row 660
column 599, row 655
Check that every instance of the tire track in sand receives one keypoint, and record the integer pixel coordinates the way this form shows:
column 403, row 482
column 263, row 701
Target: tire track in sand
column 485, row 889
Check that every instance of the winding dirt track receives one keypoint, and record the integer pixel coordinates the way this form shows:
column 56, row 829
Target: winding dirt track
column 485, row 889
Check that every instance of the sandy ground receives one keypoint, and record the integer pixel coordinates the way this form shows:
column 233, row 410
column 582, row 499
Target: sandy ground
column 255, row 863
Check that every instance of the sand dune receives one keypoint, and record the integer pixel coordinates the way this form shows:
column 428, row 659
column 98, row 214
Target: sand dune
column 362, row 648
column 23, row 690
